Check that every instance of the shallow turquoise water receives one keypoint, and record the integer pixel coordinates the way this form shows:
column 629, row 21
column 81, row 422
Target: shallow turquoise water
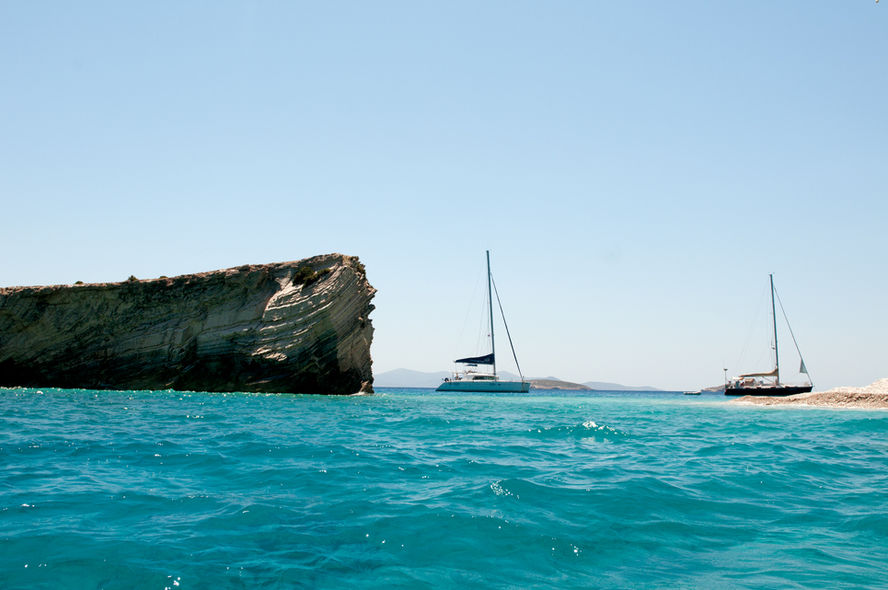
column 409, row 488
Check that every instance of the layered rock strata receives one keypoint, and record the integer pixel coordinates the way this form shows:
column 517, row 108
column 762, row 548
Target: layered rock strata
column 299, row 327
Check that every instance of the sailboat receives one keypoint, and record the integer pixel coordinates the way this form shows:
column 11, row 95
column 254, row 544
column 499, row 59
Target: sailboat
column 470, row 378
column 769, row 383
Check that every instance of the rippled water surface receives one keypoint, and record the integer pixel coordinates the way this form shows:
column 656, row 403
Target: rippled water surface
column 409, row 488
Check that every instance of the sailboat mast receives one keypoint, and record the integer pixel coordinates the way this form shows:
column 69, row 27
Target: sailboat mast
column 490, row 307
column 773, row 315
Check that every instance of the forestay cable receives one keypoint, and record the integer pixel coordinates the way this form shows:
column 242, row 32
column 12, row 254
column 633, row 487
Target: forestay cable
column 503, row 315
column 802, row 367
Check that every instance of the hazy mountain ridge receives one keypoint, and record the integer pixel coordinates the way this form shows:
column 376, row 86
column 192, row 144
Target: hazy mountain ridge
column 605, row 386
column 411, row 378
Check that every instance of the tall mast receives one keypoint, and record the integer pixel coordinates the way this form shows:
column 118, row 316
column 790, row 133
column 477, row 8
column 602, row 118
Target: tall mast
column 490, row 307
column 773, row 315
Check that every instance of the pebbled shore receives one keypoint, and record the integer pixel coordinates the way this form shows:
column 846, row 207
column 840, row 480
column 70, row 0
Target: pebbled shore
column 873, row 396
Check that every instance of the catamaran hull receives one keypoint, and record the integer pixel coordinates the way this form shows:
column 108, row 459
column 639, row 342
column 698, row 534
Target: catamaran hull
column 777, row 390
column 485, row 386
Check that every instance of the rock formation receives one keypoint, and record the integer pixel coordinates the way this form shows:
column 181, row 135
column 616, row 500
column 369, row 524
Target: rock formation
column 873, row 396
column 299, row 327
column 553, row 383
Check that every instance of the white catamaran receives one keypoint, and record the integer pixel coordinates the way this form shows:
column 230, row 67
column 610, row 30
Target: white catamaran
column 470, row 379
column 769, row 383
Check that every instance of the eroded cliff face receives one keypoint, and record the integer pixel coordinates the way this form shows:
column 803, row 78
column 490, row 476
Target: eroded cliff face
column 299, row 327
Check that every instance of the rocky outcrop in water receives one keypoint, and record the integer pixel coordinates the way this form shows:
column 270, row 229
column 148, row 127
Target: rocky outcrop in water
column 558, row 384
column 299, row 327
column 872, row 396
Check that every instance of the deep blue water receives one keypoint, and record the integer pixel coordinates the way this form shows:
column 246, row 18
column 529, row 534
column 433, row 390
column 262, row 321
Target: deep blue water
column 409, row 488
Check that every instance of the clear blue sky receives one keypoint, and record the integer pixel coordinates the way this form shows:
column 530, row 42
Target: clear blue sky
column 636, row 168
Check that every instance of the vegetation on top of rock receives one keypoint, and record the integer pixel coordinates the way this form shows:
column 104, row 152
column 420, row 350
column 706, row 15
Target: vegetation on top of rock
column 359, row 266
column 307, row 275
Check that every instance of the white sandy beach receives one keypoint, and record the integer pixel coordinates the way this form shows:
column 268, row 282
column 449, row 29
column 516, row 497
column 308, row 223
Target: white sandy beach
column 874, row 395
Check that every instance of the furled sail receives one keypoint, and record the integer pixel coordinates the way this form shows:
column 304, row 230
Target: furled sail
column 487, row 359
column 768, row 374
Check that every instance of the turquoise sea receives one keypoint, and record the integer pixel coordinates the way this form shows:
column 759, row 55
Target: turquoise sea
column 413, row 489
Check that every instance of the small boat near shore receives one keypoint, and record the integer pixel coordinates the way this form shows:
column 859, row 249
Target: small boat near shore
column 470, row 378
column 768, row 383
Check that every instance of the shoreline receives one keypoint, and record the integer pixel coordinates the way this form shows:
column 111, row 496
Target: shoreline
column 871, row 397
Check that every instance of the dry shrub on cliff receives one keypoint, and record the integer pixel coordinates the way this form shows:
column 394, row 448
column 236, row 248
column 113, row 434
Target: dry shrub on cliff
column 307, row 275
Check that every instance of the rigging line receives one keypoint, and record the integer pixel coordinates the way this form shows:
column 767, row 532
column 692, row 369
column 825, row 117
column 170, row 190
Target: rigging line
column 503, row 314
column 788, row 325
column 754, row 326
column 463, row 336
column 482, row 342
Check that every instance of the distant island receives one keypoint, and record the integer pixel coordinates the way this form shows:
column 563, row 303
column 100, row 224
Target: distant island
column 552, row 383
column 411, row 378
column 715, row 388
